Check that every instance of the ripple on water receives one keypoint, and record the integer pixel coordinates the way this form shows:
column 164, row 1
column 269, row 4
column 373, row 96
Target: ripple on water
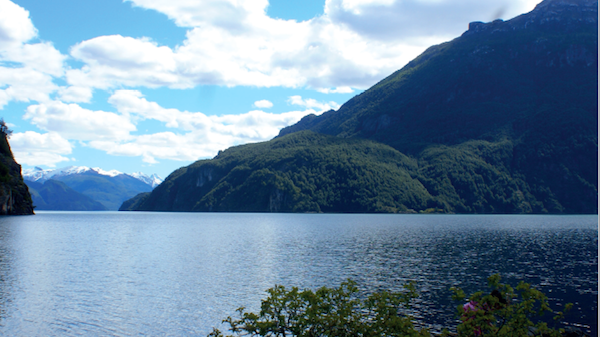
column 121, row 274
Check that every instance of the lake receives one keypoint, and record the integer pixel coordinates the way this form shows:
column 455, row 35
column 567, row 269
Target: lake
column 124, row 273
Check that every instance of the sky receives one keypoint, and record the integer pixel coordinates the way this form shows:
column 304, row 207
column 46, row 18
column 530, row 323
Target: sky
column 153, row 85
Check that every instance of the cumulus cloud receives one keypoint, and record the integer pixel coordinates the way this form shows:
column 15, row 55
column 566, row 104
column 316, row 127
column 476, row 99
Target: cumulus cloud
column 115, row 60
column 228, row 14
column 313, row 104
column 418, row 20
column 263, row 104
column 24, row 84
column 354, row 44
column 196, row 135
column 75, row 94
column 26, row 69
column 76, row 123
column 355, row 6
column 232, row 42
column 15, row 26
column 32, row 148
column 340, row 90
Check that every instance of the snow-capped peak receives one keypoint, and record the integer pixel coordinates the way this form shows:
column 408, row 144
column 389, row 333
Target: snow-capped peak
column 153, row 180
column 40, row 175
column 111, row 173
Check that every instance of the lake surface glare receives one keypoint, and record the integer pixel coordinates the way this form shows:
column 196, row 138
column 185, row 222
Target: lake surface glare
column 180, row 274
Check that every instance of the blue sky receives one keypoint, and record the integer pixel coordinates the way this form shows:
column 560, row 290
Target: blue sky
column 153, row 85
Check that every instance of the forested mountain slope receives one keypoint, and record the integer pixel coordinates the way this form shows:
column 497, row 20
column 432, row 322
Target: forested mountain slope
column 530, row 83
column 500, row 120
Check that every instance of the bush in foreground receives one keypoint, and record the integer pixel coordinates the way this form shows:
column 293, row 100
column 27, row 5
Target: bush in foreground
column 340, row 311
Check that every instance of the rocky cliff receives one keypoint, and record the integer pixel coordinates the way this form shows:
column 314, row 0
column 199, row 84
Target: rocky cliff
column 14, row 194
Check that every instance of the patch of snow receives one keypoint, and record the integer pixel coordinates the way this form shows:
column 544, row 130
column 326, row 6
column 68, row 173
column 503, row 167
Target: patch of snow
column 153, row 180
column 111, row 173
column 40, row 175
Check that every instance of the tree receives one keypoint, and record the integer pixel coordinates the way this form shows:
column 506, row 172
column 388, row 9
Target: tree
column 505, row 311
column 4, row 129
column 326, row 312
column 340, row 312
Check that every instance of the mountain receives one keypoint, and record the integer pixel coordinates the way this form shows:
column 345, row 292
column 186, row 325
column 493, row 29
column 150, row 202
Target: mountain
column 502, row 119
column 135, row 202
column 303, row 172
column 530, row 83
column 40, row 175
column 153, row 180
column 109, row 188
column 53, row 195
column 14, row 196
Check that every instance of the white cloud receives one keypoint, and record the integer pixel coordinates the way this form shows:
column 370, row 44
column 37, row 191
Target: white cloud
column 194, row 135
column 32, row 148
column 234, row 43
column 76, row 123
column 15, row 26
column 354, row 44
column 313, row 104
column 75, row 94
column 263, row 104
column 419, row 20
column 42, row 57
column 339, row 90
column 203, row 136
column 355, row 6
column 24, row 84
column 229, row 14
column 26, row 69
column 114, row 61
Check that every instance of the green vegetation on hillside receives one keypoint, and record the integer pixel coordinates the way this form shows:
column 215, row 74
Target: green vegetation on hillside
column 310, row 172
column 133, row 203
column 304, row 172
column 528, row 85
column 333, row 312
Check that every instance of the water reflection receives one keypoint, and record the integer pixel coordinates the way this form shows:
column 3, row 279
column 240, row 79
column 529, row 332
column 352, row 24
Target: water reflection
column 6, row 272
column 120, row 274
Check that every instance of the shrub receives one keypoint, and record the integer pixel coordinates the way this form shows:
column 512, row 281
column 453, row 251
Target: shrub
column 341, row 312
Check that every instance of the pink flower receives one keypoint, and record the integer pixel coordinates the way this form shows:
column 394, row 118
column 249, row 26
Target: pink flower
column 471, row 306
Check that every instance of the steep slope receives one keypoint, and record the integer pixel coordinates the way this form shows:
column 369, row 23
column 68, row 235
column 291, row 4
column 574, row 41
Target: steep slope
column 531, row 81
column 485, row 84
column 135, row 202
column 303, row 172
column 310, row 172
column 14, row 195
column 54, row 195
column 500, row 120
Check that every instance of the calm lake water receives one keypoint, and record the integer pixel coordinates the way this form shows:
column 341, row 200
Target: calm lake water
column 180, row 274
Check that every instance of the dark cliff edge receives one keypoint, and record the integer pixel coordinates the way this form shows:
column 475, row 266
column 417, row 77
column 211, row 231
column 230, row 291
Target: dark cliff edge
column 14, row 194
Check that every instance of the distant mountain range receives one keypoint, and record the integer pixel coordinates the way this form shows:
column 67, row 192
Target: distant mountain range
column 502, row 119
column 84, row 188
